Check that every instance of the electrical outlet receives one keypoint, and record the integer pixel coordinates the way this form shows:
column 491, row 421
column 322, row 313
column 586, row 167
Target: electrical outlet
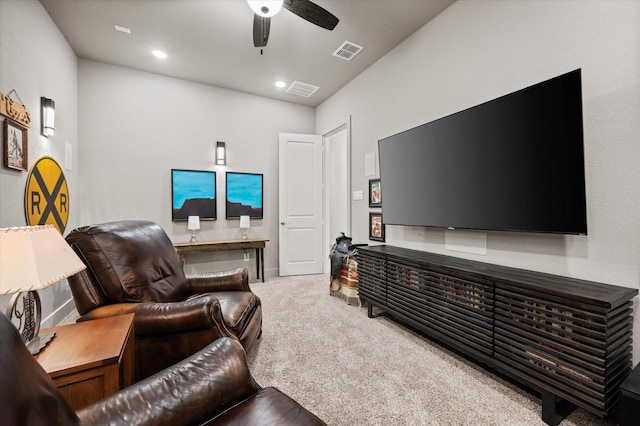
column 246, row 257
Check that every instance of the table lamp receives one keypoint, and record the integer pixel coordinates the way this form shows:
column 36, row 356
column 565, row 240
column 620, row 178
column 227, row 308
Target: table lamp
column 33, row 258
column 245, row 224
column 193, row 225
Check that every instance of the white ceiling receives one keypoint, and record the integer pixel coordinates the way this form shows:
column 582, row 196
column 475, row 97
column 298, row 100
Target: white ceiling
column 210, row 41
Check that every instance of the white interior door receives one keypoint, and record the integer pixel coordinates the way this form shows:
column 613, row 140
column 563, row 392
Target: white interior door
column 300, row 204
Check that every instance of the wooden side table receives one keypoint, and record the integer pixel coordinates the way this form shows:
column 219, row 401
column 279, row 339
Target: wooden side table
column 90, row 360
column 224, row 245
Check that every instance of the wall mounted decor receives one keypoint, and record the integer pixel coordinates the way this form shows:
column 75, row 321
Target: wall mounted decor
column 244, row 195
column 376, row 227
column 375, row 194
column 46, row 196
column 193, row 193
column 15, row 147
column 13, row 110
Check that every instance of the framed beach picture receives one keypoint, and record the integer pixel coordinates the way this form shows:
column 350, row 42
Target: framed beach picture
column 376, row 227
column 193, row 193
column 244, row 195
column 15, row 146
column 375, row 194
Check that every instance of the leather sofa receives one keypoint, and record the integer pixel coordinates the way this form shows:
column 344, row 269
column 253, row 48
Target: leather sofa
column 212, row 387
column 133, row 267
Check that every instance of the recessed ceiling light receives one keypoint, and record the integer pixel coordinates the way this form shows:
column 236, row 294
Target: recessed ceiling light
column 280, row 84
column 122, row 29
column 159, row 54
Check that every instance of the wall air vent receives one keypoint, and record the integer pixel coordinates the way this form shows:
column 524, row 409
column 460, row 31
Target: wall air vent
column 302, row 89
column 347, row 50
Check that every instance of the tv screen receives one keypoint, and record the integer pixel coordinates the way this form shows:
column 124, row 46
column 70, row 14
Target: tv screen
column 193, row 193
column 515, row 163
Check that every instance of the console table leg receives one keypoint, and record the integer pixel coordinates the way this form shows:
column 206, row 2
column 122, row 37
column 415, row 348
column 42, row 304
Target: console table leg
column 370, row 313
column 260, row 261
column 554, row 409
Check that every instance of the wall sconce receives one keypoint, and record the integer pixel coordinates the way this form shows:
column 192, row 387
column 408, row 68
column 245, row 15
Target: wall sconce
column 48, row 116
column 221, row 154
column 245, row 224
column 193, row 225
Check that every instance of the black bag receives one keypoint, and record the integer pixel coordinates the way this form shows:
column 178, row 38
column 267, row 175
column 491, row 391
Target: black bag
column 338, row 251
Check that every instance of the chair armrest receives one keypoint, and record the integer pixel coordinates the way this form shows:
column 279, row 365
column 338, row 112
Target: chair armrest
column 235, row 280
column 153, row 318
column 189, row 392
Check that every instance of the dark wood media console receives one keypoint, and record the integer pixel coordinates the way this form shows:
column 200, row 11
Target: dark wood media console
column 569, row 339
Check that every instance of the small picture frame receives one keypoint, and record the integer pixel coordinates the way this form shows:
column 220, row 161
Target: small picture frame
column 375, row 194
column 376, row 227
column 15, row 146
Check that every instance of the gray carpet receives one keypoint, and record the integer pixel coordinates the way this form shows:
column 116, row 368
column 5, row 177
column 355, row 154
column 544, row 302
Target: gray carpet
column 352, row 370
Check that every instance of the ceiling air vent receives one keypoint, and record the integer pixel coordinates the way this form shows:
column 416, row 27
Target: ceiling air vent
column 347, row 51
column 302, row 89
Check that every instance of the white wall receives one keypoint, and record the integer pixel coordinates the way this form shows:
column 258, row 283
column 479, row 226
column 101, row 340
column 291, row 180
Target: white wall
column 478, row 50
column 36, row 61
column 136, row 126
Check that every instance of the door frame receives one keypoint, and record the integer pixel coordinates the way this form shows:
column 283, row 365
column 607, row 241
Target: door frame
column 328, row 240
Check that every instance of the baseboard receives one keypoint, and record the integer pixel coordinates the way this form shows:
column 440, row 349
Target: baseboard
column 59, row 314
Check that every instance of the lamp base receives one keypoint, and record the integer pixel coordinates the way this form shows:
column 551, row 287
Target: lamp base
column 36, row 344
column 193, row 237
column 245, row 236
column 29, row 320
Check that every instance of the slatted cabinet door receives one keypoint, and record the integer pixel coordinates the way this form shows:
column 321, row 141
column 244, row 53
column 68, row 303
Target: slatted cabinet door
column 372, row 279
column 577, row 351
column 444, row 303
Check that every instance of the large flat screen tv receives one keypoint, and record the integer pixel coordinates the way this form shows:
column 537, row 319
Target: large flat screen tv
column 515, row 163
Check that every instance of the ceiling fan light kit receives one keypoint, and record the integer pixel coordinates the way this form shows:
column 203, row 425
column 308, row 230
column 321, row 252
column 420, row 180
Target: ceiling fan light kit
column 265, row 8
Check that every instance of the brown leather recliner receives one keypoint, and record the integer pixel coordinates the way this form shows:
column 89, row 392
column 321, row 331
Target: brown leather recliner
column 132, row 267
column 212, row 387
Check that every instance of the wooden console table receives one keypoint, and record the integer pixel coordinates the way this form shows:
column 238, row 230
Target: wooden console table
column 567, row 338
column 225, row 245
column 90, row 360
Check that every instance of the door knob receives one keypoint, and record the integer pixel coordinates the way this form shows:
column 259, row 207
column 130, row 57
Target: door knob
column 282, row 223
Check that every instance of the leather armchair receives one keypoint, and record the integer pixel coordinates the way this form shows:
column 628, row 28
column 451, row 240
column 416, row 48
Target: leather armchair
column 132, row 267
column 212, row 387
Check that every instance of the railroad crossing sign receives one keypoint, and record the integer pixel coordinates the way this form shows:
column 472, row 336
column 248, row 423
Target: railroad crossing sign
column 46, row 197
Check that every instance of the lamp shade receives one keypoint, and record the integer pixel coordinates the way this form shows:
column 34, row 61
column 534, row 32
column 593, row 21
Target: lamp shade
column 33, row 258
column 245, row 223
column 193, row 223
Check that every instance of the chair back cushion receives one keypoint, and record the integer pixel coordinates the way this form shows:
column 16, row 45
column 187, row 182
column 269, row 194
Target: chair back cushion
column 131, row 261
column 27, row 395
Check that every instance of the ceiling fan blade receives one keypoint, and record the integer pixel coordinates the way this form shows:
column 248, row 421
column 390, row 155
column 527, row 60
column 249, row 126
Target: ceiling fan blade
column 261, row 28
column 311, row 12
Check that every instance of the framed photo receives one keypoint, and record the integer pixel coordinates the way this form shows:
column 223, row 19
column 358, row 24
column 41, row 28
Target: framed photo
column 375, row 195
column 15, row 145
column 193, row 193
column 244, row 195
column 376, row 227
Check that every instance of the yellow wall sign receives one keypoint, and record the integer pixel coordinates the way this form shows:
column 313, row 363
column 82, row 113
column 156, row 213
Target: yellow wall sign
column 46, row 197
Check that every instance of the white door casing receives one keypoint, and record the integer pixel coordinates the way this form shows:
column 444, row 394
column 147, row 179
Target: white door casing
column 300, row 204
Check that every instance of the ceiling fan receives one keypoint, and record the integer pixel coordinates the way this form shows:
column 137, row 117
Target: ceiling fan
column 306, row 9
